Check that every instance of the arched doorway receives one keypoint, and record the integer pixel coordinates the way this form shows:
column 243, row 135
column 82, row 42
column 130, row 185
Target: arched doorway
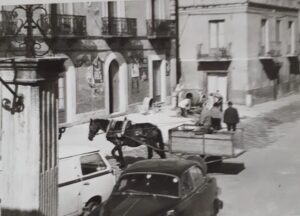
column 116, row 83
column 114, row 87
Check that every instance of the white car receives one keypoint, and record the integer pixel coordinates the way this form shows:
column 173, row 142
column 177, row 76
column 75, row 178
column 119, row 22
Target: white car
column 85, row 179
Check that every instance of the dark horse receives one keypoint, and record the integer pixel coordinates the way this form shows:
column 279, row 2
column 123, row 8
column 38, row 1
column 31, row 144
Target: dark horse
column 133, row 135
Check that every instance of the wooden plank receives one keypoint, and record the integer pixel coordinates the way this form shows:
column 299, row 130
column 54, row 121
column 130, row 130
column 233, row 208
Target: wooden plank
column 195, row 146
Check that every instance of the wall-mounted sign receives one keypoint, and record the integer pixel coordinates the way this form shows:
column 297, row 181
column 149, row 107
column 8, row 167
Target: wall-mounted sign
column 98, row 70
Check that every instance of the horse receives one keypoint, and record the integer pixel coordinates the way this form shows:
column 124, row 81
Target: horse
column 133, row 135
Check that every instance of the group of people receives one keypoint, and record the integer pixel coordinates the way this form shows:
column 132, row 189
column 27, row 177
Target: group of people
column 211, row 116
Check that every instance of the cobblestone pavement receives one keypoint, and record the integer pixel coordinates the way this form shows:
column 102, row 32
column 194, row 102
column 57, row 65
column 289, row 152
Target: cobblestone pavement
column 259, row 131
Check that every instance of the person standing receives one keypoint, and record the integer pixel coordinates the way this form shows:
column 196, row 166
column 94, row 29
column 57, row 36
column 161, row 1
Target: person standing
column 219, row 100
column 185, row 105
column 231, row 117
column 216, row 116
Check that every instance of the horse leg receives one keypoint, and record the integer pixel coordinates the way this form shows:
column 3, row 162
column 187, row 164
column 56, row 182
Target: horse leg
column 121, row 157
column 113, row 153
column 150, row 152
column 161, row 152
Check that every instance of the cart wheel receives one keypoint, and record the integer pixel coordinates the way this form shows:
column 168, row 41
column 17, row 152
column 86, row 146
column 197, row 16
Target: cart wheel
column 200, row 160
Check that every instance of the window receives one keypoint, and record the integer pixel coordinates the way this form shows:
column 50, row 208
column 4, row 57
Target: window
column 112, row 9
column 278, row 36
column 216, row 33
column 159, row 184
column 91, row 164
column 264, row 33
column 291, row 36
column 61, row 93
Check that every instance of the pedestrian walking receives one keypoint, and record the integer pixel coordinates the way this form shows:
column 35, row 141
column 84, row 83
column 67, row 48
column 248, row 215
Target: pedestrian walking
column 219, row 100
column 185, row 105
column 231, row 117
column 216, row 116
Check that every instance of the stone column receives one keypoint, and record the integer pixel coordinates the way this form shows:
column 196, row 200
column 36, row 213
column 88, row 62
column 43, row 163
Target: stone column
column 29, row 138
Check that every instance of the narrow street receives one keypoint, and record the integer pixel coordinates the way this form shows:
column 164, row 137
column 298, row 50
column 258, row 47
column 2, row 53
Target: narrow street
column 269, row 182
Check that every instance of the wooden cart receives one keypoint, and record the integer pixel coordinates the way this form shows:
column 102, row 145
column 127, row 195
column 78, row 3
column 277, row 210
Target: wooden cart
column 187, row 139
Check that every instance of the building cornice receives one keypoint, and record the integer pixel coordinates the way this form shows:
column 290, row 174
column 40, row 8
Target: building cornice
column 235, row 7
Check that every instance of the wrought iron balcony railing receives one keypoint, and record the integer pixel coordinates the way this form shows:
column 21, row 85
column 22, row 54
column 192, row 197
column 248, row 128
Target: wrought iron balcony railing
column 119, row 27
column 160, row 28
column 274, row 49
column 217, row 53
column 8, row 23
column 63, row 25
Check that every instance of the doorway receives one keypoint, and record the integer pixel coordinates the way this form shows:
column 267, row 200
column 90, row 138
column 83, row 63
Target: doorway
column 217, row 81
column 114, row 87
column 157, row 80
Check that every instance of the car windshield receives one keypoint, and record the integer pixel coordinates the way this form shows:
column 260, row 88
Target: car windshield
column 148, row 183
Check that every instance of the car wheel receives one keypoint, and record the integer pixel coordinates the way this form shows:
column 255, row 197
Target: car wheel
column 217, row 205
column 92, row 205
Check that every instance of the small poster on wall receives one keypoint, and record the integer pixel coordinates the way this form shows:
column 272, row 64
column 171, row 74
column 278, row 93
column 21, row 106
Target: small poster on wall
column 135, row 69
column 98, row 70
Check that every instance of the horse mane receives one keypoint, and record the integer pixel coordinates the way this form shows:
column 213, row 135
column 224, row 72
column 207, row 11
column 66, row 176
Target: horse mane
column 103, row 122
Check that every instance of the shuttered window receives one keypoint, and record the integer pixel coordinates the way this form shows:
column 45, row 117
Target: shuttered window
column 217, row 33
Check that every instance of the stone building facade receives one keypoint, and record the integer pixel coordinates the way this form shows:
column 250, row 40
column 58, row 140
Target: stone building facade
column 119, row 53
column 246, row 49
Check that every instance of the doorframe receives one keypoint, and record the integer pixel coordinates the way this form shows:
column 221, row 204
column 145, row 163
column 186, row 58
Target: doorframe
column 123, row 77
column 220, row 73
column 163, row 80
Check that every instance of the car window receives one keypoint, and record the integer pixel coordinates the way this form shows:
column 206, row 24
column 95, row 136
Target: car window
column 159, row 184
column 91, row 163
column 196, row 176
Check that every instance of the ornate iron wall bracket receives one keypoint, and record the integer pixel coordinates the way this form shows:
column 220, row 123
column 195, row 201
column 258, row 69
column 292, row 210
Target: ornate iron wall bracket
column 17, row 105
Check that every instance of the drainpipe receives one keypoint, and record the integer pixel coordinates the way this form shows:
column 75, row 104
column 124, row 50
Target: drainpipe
column 178, row 61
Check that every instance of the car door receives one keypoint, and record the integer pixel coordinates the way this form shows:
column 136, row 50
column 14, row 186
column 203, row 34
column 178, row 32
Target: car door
column 97, row 177
column 69, row 185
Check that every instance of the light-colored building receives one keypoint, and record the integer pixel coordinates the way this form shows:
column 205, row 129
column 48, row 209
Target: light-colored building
column 246, row 49
column 119, row 52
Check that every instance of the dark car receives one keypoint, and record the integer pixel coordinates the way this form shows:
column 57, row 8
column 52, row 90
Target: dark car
column 163, row 187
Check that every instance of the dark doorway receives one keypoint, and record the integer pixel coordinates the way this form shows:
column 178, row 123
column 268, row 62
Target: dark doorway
column 157, row 81
column 114, row 82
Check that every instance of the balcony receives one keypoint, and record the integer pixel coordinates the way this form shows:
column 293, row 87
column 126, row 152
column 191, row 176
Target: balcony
column 8, row 23
column 274, row 50
column 118, row 27
column 160, row 28
column 214, row 54
column 63, row 25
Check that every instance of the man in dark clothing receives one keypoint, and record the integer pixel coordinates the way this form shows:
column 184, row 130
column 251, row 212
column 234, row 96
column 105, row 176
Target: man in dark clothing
column 231, row 117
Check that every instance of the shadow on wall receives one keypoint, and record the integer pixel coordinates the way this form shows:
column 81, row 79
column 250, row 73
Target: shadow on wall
column 214, row 66
column 271, row 68
column 14, row 212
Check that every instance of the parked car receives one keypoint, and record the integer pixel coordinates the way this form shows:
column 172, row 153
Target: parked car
column 85, row 179
column 163, row 187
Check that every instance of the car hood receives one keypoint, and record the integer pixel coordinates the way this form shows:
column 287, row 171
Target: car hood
column 134, row 205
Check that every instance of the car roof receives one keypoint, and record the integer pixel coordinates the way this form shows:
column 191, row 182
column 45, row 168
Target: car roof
column 65, row 151
column 168, row 166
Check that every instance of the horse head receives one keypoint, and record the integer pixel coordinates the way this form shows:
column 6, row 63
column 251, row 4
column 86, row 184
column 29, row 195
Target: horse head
column 95, row 126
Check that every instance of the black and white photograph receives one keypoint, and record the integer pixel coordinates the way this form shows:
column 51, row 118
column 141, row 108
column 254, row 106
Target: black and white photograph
column 149, row 108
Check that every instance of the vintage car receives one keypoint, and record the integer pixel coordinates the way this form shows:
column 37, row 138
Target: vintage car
column 163, row 187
